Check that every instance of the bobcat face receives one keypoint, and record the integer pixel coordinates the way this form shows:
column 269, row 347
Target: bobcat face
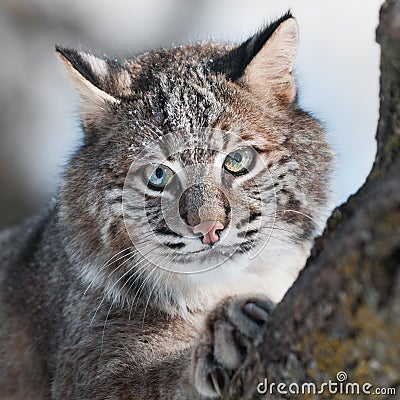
column 199, row 198
column 199, row 173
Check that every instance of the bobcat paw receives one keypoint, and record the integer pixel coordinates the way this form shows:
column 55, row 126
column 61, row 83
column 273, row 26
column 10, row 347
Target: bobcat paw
column 232, row 328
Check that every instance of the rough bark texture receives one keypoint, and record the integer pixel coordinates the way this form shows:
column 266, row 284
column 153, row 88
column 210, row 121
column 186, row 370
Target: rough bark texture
column 343, row 313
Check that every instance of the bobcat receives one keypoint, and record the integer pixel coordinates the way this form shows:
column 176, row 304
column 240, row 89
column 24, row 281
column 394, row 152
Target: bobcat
column 184, row 217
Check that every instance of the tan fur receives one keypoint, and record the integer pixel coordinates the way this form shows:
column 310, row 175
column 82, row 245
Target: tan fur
column 110, row 294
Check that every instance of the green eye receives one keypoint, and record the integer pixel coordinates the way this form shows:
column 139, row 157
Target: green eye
column 157, row 176
column 240, row 161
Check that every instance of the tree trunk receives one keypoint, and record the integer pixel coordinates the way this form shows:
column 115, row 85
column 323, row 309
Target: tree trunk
column 343, row 312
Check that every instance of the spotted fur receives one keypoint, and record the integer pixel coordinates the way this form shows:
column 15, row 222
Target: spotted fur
column 100, row 290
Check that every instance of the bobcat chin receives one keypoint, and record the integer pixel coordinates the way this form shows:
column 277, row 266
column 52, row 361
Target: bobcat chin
column 184, row 217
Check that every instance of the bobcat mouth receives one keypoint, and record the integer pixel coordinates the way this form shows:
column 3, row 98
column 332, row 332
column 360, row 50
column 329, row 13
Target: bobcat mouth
column 178, row 246
column 247, row 239
column 175, row 246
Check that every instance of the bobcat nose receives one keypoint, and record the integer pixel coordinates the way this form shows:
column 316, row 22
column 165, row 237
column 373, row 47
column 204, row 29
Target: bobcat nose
column 209, row 231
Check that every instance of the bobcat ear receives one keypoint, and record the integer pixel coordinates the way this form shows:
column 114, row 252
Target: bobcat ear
column 271, row 67
column 90, row 76
column 264, row 63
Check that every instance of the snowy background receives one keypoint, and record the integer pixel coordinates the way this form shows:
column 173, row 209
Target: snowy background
column 337, row 69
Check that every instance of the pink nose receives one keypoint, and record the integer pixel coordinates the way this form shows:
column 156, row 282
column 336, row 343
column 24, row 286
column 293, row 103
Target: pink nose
column 208, row 230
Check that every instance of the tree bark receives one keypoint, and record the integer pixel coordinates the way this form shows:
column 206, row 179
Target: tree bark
column 343, row 312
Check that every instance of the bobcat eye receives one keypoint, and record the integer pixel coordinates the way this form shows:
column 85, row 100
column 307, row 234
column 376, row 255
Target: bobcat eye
column 157, row 176
column 240, row 161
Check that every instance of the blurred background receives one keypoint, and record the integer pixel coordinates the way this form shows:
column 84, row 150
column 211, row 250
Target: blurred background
column 337, row 69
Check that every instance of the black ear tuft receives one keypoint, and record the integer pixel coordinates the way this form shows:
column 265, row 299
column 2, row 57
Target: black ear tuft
column 95, row 80
column 77, row 61
column 106, row 74
column 234, row 64
column 99, row 71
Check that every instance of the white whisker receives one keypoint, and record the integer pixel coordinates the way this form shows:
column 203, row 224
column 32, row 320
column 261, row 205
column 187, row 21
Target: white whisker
column 148, row 299
column 107, row 264
column 140, row 290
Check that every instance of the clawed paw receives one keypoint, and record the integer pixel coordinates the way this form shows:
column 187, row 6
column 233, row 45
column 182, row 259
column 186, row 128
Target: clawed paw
column 232, row 328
